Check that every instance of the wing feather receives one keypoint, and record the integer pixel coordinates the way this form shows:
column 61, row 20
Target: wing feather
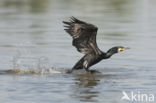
column 83, row 34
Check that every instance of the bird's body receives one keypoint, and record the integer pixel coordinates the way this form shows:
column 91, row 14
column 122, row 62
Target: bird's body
column 84, row 39
column 88, row 60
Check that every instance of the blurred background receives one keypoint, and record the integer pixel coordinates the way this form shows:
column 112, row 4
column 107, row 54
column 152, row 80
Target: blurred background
column 32, row 36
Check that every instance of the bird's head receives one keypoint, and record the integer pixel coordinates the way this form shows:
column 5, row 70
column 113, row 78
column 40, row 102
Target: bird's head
column 115, row 49
column 120, row 49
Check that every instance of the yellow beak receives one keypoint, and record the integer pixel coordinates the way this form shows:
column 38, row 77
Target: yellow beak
column 122, row 49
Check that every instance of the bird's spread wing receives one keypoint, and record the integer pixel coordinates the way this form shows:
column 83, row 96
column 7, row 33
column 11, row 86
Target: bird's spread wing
column 84, row 35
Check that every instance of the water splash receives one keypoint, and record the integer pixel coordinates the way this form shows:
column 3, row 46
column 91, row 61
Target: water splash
column 25, row 62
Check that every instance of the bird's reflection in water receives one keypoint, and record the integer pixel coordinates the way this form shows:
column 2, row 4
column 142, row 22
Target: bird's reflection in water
column 85, row 87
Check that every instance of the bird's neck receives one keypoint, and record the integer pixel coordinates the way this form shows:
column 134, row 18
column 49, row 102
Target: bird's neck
column 108, row 54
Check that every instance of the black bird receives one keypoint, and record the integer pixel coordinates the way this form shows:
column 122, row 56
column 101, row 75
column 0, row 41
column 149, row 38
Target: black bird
column 84, row 39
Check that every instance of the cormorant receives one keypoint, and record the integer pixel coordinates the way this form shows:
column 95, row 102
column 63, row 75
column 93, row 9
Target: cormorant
column 84, row 39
